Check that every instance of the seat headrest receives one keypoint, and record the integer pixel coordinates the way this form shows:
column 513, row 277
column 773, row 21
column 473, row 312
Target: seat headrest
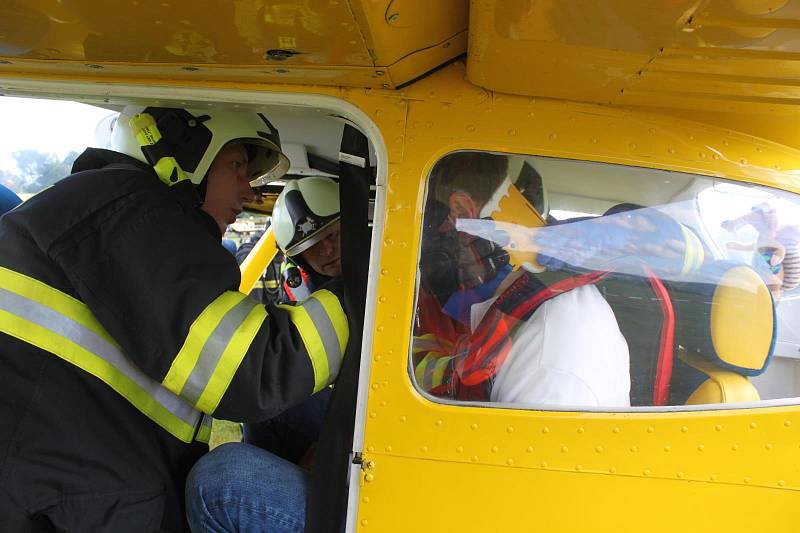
column 725, row 314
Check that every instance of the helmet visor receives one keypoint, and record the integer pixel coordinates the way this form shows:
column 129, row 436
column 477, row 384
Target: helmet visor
column 266, row 162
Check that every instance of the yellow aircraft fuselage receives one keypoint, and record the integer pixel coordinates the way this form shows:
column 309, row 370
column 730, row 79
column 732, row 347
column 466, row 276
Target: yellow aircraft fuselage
column 433, row 466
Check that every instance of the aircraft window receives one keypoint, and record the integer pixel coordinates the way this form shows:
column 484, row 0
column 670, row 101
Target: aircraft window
column 45, row 139
column 548, row 283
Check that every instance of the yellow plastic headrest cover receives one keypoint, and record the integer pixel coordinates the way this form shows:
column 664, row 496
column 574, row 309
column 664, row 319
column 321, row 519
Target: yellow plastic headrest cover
column 742, row 319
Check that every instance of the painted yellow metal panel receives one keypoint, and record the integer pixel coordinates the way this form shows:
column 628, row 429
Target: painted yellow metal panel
column 713, row 86
column 395, row 29
column 604, row 51
column 449, row 496
column 721, row 61
column 367, row 43
column 193, row 31
column 434, row 467
column 257, row 260
column 565, row 49
column 193, row 73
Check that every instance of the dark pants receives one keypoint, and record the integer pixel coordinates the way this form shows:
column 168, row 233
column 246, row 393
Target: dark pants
column 290, row 434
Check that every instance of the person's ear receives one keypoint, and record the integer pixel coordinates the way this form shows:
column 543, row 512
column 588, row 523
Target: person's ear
column 462, row 205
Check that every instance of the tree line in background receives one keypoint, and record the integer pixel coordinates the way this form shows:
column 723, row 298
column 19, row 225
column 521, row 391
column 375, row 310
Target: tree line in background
column 37, row 171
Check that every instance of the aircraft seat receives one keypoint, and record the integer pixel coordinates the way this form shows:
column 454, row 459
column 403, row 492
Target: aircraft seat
column 725, row 332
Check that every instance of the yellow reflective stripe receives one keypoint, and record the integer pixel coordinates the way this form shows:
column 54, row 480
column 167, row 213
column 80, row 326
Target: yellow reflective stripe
column 268, row 284
column 231, row 359
column 333, row 308
column 429, row 372
column 204, row 433
column 169, row 171
column 214, row 348
column 40, row 315
column 438, row 371
column 426, row 343
column 419, row 370
column 40, row 337
column 39, row 292
column 199, row 332
column 323, row 327
column 313, row 343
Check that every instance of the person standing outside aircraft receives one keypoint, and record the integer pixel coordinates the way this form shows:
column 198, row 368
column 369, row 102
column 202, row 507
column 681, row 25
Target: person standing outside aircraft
column 122, row 328
column 227, row 490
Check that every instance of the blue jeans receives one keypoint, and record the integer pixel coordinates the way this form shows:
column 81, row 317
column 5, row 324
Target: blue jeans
column 239, row 487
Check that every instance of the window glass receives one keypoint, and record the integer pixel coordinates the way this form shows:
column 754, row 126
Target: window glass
column 41, row 139
column 559, row 283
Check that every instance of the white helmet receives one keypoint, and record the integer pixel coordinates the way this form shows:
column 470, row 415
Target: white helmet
column 303, row 212
column 190, row 139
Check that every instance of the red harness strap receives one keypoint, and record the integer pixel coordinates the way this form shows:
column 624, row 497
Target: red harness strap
column 666, row 344
column 488, row 347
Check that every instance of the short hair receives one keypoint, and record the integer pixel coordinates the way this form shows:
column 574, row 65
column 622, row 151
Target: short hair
column 475, row 173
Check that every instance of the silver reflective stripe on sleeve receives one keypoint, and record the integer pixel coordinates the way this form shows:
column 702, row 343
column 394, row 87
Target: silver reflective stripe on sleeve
column 327, row 334
column 213, row 349
column 427, row 382
column 204, row 431
column 422, row 344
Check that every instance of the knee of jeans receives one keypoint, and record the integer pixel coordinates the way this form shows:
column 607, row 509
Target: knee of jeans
column 206, row 471
column 239, row 475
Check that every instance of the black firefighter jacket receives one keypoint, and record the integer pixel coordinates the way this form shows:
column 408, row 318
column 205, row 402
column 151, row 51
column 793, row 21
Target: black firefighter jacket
column 120, row 327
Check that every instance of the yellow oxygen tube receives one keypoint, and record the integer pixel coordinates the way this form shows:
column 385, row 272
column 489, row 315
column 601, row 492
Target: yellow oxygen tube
column 257, row 260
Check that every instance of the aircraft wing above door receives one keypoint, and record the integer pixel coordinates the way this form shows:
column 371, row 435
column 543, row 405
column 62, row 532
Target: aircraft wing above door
column 655, row 53
column 362, row 43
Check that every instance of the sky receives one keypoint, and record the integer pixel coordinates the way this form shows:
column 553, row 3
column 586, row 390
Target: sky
column 46, row 125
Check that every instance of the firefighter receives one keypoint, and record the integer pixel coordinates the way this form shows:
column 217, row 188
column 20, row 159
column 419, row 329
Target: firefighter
column 227, row 490
column 122, row 330
column 306, row 218
column 313, row 202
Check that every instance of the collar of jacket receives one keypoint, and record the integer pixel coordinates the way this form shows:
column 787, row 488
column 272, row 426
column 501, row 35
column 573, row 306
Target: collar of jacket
column 93, row 158
column 185, row 192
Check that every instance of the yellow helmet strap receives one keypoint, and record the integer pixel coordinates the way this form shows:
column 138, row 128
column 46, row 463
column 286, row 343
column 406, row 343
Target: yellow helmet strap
column 155, row 149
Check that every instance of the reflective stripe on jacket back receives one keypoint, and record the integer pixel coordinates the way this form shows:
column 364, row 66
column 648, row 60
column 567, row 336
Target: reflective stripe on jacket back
column 217, row 342
column 42, row 316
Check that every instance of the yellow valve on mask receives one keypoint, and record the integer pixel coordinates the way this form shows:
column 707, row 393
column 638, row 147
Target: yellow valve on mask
column 513, row 208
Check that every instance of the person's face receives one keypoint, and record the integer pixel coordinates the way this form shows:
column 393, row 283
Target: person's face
column 228, row 186
column 325, row 256
column 471, row 268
